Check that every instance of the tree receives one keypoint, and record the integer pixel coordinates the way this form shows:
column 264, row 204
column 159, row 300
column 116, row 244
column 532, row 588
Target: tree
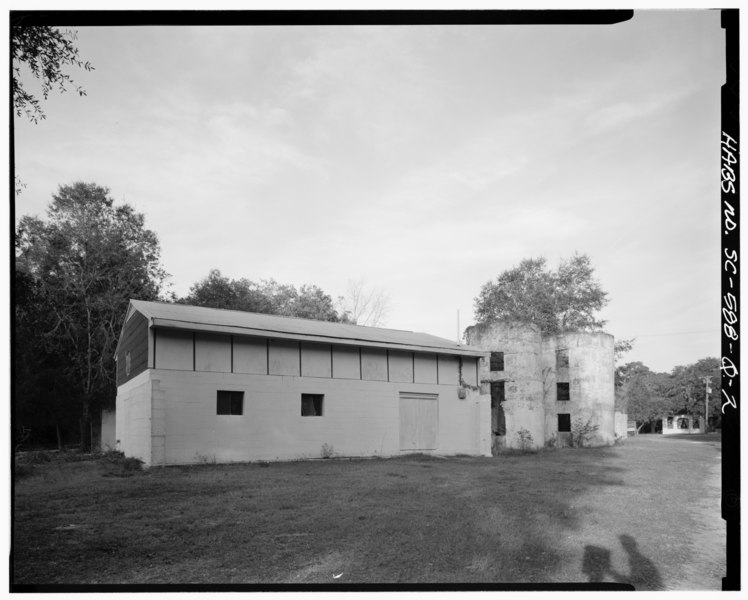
column 269, row 297
column 621, row 347
column 566, row 299
column 217, row 291
column 41, row 390
column 83, row 263
column 687, row 388
column 364, row 306
column 642, row 394
column 312, row 302
column 43, row 51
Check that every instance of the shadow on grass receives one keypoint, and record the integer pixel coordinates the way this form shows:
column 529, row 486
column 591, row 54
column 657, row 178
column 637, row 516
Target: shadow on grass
column 643, row 574
column 525, row 504
column 416, row 519
column 517, row 508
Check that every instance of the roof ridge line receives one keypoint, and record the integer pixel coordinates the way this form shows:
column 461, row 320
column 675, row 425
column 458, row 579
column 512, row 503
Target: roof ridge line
column 249, row 312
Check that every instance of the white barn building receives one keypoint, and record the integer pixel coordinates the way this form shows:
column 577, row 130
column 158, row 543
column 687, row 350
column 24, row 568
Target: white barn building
column 200, row 384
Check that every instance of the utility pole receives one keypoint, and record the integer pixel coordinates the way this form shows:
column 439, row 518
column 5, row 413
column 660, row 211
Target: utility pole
column 707, row 381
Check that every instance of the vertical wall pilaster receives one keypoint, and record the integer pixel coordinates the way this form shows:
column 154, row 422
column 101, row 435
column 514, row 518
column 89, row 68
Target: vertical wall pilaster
column 158, row 424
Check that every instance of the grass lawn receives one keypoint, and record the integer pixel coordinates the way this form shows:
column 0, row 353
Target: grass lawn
column 645, row 512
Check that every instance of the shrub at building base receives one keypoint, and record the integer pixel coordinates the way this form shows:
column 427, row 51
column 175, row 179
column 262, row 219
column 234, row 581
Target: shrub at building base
column 582, row 432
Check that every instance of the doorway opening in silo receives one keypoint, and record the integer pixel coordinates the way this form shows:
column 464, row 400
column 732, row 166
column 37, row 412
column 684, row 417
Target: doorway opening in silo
column 498, row 422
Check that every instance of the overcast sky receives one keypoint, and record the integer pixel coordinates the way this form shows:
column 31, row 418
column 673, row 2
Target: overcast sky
column 422, row 160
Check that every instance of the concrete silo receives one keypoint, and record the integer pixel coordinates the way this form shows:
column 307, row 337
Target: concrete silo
column 544, row 388
column 578, row 383
column 513, row 378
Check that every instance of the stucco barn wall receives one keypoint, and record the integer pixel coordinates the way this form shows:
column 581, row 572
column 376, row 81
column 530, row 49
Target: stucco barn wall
column 374, row 364
column 185, row 351
column 250, row 355
column 133, row 417
column 425, row 368
column 168, row 415
column 360, row 418
column 401, row 366
column 469, row 371
column 346, row 362
column 448, row 370
column 464, row 424
column 316, row 360
column 283, row 356
column 212, row 352
column 174, row 349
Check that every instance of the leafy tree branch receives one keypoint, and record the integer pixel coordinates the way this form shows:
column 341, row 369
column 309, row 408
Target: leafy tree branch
column 565, row 299
column 42, row 52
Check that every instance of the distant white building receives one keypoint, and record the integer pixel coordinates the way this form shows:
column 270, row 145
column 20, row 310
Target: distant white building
column 199, row 384
column 682, row 424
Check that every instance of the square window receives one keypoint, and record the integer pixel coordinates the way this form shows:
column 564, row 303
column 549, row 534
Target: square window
column 311, row 405
column 562, row 392
column 562, row 359
column 564, row 423
column 497, row 361
column 229, row 403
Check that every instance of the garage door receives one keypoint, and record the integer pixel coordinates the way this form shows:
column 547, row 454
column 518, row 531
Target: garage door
column 419, row 421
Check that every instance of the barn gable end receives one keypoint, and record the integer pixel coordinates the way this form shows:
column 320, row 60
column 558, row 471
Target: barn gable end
column 132, row 352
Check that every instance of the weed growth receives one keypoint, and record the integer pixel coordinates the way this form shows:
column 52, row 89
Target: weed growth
column 204, row 459
column 582, row 432
column 119, row 465
column 525, row 440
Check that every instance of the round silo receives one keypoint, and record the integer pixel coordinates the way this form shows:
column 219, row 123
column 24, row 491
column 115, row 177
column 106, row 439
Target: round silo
column 591, row 384
column 514, row 379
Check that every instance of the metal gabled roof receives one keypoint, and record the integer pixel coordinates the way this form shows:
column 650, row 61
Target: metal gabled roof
column 200, row 318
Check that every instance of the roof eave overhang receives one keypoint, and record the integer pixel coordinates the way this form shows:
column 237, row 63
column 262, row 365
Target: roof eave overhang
column 331, row 339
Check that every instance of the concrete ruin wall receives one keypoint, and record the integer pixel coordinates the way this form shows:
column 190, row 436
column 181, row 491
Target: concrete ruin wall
column 531, row 373
column 590, row 375
column 521, row 345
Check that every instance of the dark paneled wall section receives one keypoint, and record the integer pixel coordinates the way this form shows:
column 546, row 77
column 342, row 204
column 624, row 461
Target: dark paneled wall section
column 294, row 358
column 132, row 358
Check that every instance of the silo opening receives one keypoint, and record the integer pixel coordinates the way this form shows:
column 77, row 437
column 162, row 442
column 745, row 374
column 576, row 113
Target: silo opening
column 498, row 421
